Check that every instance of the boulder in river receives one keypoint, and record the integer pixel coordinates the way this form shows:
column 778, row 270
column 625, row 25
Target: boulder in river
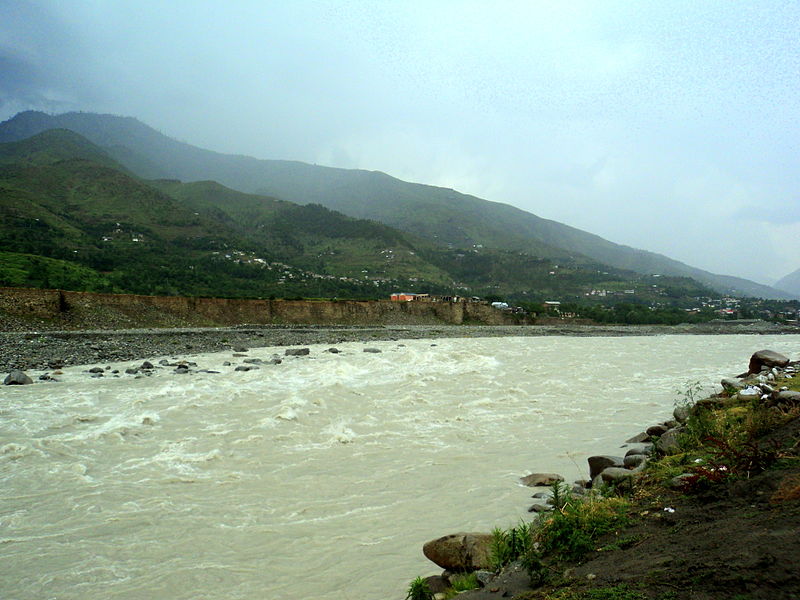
column 17, row 377
column 460, row 551
column 297, row 351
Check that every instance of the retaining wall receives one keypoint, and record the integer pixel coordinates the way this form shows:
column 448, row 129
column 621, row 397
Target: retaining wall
column 87, row 309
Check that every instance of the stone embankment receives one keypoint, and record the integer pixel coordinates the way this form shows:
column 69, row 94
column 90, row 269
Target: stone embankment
column 462, row 552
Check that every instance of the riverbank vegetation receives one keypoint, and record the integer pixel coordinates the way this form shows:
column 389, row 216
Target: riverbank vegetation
column 716, row 514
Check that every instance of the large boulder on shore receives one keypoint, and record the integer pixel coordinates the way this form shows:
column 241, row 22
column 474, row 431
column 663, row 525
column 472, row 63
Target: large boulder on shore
column 598, row 463
column 669, row 443
column 767, row 358
column 541, row 479
column 460, row 551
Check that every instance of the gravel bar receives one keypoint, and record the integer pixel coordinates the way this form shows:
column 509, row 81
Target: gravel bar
column 54, row 349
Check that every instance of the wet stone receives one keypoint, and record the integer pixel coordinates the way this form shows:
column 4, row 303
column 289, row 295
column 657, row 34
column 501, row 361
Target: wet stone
column 297, row 351
column 17, row 377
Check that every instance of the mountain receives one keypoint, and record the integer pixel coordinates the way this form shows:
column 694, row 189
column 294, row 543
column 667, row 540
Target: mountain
column 442, row 216
column 790, row 283
column 72, row 217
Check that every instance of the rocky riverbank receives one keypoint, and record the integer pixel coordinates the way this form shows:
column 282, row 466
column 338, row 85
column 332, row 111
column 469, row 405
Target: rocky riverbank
column 42, row 349
column 705, row 505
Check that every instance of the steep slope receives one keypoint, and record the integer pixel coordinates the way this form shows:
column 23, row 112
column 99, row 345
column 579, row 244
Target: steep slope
column 310, row 236
column 63, row 199
column 441, row 215
column 790, row 283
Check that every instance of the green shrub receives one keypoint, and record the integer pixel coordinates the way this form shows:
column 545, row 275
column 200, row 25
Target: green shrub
column 419, row 590
column 464, row 582
column 576, row 522
column 510, row 544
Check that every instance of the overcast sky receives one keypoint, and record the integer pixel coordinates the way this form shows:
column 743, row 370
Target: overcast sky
column 668, row 126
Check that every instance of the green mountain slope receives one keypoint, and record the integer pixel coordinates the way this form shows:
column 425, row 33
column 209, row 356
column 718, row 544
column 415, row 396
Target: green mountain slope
column 64, row 199
column 71, row 217
column 310, row 236
column 441, row 215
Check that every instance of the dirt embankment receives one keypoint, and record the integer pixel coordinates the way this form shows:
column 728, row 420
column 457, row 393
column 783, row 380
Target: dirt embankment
column 25, row 309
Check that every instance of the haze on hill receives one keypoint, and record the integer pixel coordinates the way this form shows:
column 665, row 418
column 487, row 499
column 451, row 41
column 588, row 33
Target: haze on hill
column 71, row 217
column 462, row 224
column 668, row 127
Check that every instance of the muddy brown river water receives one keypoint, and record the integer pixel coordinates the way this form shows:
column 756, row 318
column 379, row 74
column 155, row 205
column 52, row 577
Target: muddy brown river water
column 320, row 477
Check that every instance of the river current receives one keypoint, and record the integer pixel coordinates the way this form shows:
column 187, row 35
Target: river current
column 321, row 477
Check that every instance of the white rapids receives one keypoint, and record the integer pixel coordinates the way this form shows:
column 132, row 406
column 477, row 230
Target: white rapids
column 320, row 477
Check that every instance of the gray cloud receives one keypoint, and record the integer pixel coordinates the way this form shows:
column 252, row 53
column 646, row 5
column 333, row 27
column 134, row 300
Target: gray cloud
column 656, row 125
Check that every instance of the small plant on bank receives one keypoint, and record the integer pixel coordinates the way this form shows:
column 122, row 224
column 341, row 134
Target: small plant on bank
column 510, row 544
column 463, row 583
column 419, row 590
column 576, row 522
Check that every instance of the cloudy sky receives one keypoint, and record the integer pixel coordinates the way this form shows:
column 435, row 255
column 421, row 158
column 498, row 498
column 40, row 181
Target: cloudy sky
column 670, row 126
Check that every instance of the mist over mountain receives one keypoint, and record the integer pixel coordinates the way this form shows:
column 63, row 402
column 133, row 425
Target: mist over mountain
column 71, row 217
column 442, row 216
column 790, row 283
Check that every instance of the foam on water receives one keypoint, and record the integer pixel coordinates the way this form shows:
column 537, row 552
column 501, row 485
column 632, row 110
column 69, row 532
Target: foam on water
column 322, row 474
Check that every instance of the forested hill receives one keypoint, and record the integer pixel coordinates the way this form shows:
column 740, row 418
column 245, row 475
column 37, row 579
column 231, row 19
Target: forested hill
column 71, row 217
column 442, row 216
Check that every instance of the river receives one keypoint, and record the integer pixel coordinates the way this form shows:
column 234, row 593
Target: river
column 320, row 477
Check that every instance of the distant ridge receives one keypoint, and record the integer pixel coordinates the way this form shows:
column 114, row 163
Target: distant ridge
column 790, row 283
column 441, row 215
